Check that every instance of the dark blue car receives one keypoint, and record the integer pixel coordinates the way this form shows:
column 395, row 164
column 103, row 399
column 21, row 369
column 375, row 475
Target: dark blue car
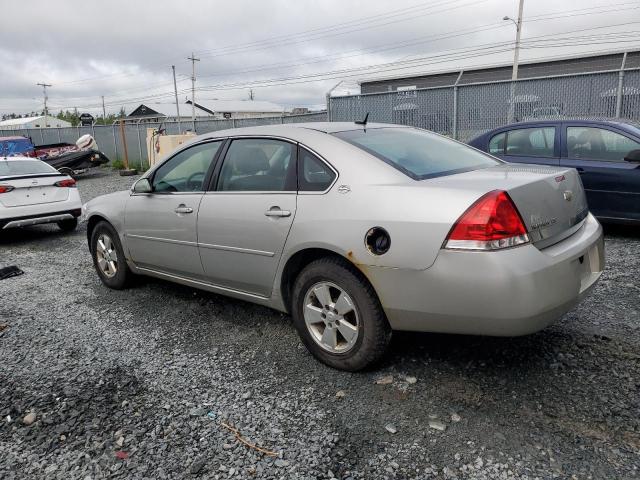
column 606, row 154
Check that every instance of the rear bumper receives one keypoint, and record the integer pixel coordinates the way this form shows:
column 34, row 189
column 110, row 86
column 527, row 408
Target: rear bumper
column 24, row 222
column 43, row 213
column 505, row 293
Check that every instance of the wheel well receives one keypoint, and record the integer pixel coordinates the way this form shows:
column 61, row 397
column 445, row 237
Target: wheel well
column 91, row 224
column 300, row 260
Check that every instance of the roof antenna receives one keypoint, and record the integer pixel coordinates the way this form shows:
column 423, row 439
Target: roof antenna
column 363, row 122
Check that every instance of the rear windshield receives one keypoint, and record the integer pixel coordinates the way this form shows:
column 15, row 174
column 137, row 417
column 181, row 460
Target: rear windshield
column 418, row 153
column 24, row 167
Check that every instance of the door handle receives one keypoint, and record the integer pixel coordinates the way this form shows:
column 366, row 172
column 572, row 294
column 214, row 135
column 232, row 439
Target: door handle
column 183, row 209
column 277, row 212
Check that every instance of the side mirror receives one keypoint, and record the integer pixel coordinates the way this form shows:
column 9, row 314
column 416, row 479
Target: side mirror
column 633, row 156
column 142, row 186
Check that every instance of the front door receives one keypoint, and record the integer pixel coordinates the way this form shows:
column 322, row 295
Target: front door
column 244, row 221
column 612, row 184
column 160, row 227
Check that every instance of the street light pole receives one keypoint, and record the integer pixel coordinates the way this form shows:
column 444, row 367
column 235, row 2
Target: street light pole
column 516, row 57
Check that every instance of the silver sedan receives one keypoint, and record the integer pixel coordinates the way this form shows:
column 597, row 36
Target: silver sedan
column 356, row 231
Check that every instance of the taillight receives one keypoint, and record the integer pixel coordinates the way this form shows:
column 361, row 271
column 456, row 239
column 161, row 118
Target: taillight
column 5, row 188
column 69, row 182
column 491, row 223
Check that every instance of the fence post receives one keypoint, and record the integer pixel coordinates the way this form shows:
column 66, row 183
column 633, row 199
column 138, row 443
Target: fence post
column 41, row 134
column 139, row 143
column 620, row 86
column 124, row 144
column 59, row 137
column 233, row 122
column 455, row 106
column 115, row 143
column 328, row 107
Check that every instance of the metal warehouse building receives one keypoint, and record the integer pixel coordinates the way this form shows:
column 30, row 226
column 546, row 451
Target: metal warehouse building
column 564, row 66
column 464, row 103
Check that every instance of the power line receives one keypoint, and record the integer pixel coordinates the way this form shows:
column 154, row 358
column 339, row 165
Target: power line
column 264, row 43
column 391, row 66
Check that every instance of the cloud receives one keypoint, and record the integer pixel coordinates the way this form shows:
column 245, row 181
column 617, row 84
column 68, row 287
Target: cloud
column 124, row 49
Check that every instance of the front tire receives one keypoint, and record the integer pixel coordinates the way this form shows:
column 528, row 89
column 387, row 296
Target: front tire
column 338, row 315
column 108, row 257
column 68, row 225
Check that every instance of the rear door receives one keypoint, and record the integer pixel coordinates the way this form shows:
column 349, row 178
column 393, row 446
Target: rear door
column 531, row 144
column 160, row 226
column 612, row 184
column 243, row 222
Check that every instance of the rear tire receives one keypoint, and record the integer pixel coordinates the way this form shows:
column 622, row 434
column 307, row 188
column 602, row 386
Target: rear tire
column 108, row 257
column 68, row 225
column 338, row 315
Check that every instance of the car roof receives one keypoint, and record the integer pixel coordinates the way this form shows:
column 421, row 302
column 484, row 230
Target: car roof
column 565, row 120
column 289, row 128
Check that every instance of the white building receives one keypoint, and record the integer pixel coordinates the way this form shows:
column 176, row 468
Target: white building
column 207, row 109
column 221, row 109
column 33, row 122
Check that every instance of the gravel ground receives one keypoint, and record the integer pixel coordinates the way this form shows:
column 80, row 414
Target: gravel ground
column 139, row 383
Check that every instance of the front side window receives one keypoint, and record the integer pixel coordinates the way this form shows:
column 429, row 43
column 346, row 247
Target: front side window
column 418, row 153
column 496, row 144
column 598, row 144
column 186, row 171
column 532, row 142
column 313, row 174
column 258, row 165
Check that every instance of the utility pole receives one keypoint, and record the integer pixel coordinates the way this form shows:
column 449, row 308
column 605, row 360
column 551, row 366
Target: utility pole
column 44, row 92
column 175, row 90
column 251, row 94
column 193, row 88
column 104, row 112
column 516, row 55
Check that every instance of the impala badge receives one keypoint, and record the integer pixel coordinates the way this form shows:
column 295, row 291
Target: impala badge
column 567, row 195
column 344, row 189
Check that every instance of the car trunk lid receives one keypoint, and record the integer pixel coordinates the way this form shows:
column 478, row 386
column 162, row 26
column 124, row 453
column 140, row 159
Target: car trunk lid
column 32, row 190
column 550, row 200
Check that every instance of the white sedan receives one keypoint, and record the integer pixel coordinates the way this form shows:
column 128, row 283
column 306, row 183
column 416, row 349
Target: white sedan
column 32, row 192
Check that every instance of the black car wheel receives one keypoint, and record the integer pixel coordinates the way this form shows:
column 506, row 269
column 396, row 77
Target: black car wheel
column 338, row 315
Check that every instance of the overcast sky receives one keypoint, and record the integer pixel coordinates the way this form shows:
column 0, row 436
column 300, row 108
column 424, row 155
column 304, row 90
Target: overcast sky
column 124, row 49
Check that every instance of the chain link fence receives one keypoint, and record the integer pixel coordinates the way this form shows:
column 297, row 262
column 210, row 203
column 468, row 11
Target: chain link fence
column 109, row 137
column 465, row 111
column 459, row 111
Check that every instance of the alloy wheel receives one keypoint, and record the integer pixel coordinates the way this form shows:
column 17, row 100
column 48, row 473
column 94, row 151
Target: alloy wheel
column 331, row 317
column 106, row 256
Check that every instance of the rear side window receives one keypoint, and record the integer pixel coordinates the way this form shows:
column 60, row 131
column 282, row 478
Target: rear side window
column 25, row 167
column 418, row 153
column 496, row 144
column 258, row 165
column 532, row 142
column 313, row 174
